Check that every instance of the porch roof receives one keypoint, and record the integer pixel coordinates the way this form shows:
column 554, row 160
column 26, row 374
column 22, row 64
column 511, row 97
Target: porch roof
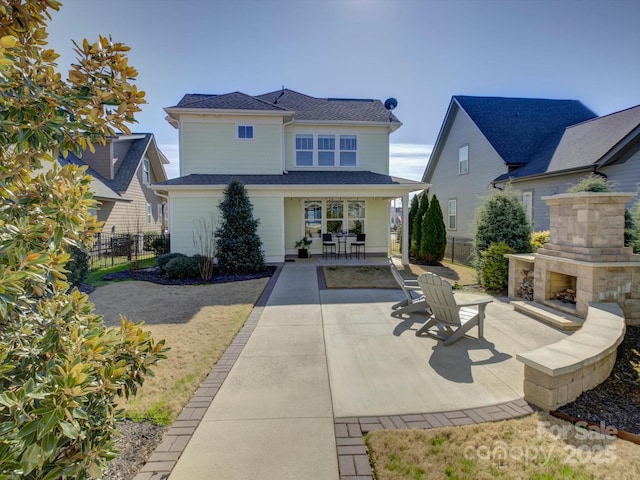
column 298, row 178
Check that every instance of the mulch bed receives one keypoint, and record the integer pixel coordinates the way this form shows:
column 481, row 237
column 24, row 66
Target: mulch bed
column 153, row 275
column 615, row 402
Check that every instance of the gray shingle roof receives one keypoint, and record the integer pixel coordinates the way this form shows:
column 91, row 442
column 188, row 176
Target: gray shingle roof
column 582, row 145
column 127, row 168
column 586, row 143
column 293, row 178
column 304, row 107
column 519, row 127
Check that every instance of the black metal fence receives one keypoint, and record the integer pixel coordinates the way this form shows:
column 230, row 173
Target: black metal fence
column 459, row 250
column 110, row 249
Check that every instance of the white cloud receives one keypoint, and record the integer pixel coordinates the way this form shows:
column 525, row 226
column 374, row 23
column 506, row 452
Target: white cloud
column 408, row 160
column 171, row 151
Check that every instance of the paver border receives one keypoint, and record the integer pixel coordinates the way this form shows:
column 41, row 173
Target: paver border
column 353, row 457
column 164, row 458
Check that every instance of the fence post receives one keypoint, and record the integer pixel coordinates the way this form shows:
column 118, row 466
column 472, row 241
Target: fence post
column 453, row 249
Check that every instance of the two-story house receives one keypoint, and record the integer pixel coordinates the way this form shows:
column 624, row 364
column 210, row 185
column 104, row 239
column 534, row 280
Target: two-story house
column 122, row 172
column 310, row 166
column 540, row 146
column 483, row 138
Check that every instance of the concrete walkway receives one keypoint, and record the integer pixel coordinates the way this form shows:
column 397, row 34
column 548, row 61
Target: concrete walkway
column 322, row 365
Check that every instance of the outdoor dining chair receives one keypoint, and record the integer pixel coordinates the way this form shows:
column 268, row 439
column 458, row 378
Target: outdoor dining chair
column 328, row 245
column 358, row 244
column 449, row 320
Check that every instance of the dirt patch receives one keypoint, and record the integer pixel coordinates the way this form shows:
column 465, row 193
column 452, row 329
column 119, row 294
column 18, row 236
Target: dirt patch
column 455, row 273
column 358, row 277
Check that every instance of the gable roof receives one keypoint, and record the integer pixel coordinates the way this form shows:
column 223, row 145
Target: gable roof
column 589, row 142
column 111, row 189
column 301, row 107
column 586, row 145
column 518, row 127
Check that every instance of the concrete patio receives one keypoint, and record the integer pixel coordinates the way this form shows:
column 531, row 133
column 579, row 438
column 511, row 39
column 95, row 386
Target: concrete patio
column 316, row 364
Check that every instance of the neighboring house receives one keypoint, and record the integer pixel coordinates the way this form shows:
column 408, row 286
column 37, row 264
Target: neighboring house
column 310, row 166
column 540, row 146
column 123, row 170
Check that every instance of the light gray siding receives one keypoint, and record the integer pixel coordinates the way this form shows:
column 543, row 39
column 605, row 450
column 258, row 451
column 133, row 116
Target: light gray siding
column 624, row 177
column 468, row 189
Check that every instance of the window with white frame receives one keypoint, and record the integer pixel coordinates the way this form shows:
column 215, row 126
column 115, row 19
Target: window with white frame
column 527, row 203
column 338, row 216
column 304, row 150
column 149, row 213
column 146, row 171
column 160, row 212
column 245, row 132
column 463, row 160
column 452, row 206
column 326, row 150
column 348, row 149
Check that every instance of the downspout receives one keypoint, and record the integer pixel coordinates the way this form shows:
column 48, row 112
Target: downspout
column 282, row 150
column 596, row 172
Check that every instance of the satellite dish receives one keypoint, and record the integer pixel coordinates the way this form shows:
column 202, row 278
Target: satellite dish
column 390, row 103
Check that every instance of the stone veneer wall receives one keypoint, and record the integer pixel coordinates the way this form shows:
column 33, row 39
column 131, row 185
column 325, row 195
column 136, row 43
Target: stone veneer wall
column 586, row 241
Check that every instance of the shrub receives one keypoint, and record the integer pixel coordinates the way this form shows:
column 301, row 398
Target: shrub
column 591, row 183
column 182, row 267
column 434, row 233
column 160, row 244
column 494, row 268
column 413, row 211
column 78, row 266
column 162, row 260
column 239, row 245
column 501, row 218
column 630, row 231
column 415, row 241
column 538, row 239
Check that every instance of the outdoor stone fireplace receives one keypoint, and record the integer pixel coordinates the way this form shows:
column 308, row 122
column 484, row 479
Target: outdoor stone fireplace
column 585, row 259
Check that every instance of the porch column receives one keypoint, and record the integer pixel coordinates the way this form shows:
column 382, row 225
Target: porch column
column 405, row 229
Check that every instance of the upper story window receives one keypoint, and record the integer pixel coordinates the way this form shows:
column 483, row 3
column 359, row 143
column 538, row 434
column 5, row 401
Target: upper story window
column 463, row 160
column 326, row 150
column 348, row 149
column 245, row 132
column 304, row 150
column 146, row 171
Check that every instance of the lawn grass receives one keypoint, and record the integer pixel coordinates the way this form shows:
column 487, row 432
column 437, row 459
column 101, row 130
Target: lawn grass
column 535, row 447
column 95, row 278
column 196, row 344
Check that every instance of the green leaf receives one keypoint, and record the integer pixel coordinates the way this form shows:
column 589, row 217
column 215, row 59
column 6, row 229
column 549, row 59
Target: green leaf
column 47, row 423
column 31, row 458
column 69, row 430
column 95, row 471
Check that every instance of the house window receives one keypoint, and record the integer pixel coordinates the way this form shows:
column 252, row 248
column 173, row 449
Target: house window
column 329, row 152
column 160, row 212
column 452, row 210
column 146, row 171
column 345, row 215
column 245, row 132
column 313, row 218
column 304, row 150
column 463, row 160
column 348, row 149
column 527, row 203
column 326, row 150
column 149, row 213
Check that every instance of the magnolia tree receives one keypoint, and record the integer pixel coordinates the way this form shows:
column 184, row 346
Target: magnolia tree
column 61, row 370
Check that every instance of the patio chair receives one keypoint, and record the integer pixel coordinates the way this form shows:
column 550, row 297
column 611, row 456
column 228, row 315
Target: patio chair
column 451, row 320
column 328, row 245
column 358, row 244
column 415, row 301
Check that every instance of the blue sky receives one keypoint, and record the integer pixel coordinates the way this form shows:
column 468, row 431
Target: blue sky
column 419, row 51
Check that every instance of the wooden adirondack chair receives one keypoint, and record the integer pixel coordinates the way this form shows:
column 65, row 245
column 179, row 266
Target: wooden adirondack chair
column 449, row 320
column 414, row 302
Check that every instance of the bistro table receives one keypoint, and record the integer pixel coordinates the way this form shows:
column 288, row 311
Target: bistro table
column 342, row 240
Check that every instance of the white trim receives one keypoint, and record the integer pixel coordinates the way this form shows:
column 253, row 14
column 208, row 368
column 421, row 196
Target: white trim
column 245, row 139
column 315, row 152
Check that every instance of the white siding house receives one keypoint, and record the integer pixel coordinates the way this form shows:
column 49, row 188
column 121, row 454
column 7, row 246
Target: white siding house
column 310, row 166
